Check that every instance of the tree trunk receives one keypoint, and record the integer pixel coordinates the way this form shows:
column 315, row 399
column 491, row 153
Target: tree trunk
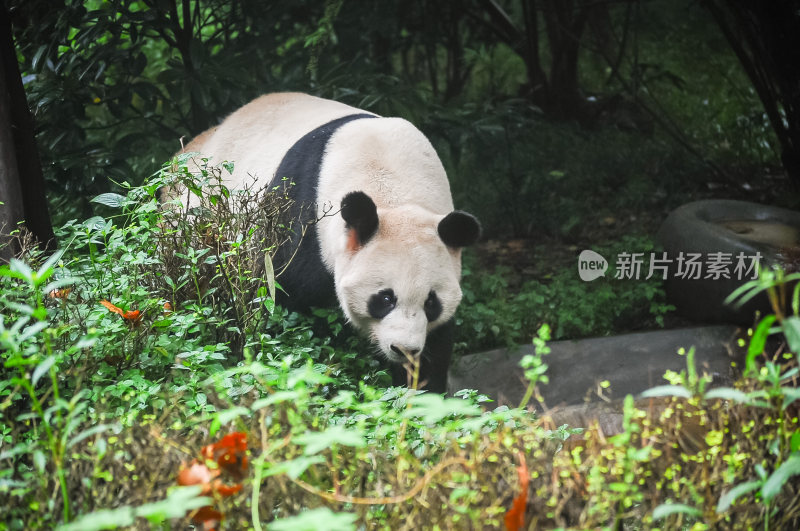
column 565, row 22
column 765, row 38
column 21, row 180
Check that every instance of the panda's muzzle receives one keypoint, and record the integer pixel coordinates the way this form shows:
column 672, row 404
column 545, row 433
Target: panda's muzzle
column 405, row 352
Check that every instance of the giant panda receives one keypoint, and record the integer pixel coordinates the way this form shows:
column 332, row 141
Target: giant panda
column 387, row 241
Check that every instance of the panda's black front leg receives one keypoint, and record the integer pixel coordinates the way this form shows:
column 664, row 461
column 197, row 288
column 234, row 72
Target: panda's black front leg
column 435, row 360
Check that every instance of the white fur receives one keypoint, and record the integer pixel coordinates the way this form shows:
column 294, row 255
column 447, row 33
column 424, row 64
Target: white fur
column 407, row 256
column 257, row 136
column 392, row 162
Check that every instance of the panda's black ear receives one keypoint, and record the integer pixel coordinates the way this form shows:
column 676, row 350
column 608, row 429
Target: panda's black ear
column 361, row 216
column 459, row 229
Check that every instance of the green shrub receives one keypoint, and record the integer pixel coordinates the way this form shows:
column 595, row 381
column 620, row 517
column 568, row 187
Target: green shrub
column 101, row 405
column 495, row 314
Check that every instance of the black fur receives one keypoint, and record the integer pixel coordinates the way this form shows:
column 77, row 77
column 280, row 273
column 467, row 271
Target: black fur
column 381, row 304
column 459, row 229
column 361, row 214
column 307, row 283
column 435, row 360
column 433, row 307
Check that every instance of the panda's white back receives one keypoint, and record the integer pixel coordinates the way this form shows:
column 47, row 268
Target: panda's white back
column 257, row 136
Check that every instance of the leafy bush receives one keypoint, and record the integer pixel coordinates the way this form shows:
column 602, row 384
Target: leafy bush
column 523, row 175
column 495, row 314
column 102, row 405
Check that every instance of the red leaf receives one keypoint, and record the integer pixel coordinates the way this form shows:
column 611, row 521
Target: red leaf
column 515, row 517
column 226, row 490
column 230, row 453
column 207, row 516
column 133, row 316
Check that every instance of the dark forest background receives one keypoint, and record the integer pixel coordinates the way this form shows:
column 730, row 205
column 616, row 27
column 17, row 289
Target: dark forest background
column 552, row 117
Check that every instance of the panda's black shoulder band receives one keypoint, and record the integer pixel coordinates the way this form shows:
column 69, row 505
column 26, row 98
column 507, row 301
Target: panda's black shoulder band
column 301, row 164
column 361, row 214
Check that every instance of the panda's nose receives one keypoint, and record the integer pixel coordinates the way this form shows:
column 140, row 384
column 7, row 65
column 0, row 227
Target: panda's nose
column 406, row 352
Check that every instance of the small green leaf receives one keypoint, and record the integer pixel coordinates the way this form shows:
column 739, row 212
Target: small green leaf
column 39, row 461
column 274, row 398
column 269, row 273
column 102, row 519
column 758, row 342
column 42, row 369
column 727, row 499
column 791, row 329
column 790, row 394
column 57, row 284
column 666, row 509
column 85, row 434
column 794, row 441
column 316, row 441
column 31, row 330
column 321, row 519
column 178, row 502
column 47, row 268
column 753, row 288
column 433, row 408
column 727, row 393
column 667, row 390
column 21, row 270
column 110, row 200
column 224, row 417
column 778, row 479
column 295, row 467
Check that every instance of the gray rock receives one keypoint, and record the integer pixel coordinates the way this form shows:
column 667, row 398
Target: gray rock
column 732, row 227
column 631, row 363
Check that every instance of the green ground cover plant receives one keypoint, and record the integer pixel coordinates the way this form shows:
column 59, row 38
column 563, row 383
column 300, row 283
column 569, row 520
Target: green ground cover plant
column 189, row 365
column 496, row 313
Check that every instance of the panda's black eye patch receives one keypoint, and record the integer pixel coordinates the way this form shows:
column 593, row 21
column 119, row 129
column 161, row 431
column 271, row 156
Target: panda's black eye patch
column 433, row 307
column 382, row 303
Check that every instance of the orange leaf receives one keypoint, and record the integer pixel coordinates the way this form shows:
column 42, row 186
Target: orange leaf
column 167, row 307
column 208, row 516
column 515, row 517
column 60, row 293
column 111, row 307
column 230, row 453
column 197, row 474
column 133, row 315
column 226, row 490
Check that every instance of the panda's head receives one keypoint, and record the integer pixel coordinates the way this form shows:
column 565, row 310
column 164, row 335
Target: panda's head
column 398, row 277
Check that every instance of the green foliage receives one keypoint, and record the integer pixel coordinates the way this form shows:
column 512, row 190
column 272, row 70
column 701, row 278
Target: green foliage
column 494, row 314
column 174, row 506
column 314, row 520
column 115, row 85
column 521, row 175
column 99, row 410
column 79, row 371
